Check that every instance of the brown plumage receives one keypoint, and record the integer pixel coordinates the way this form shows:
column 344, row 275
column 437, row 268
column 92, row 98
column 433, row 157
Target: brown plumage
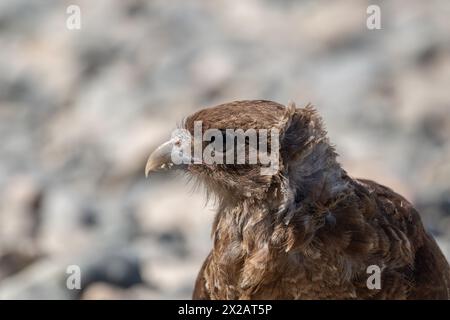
column 309, row 231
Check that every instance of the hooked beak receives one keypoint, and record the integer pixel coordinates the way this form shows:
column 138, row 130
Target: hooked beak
column 175, row 152
column 160, row 159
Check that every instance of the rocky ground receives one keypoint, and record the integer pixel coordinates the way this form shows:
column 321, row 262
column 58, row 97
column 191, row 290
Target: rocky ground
column 81, row 109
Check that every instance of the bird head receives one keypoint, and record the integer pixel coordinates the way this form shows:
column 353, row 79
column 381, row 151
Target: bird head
column 218, row 146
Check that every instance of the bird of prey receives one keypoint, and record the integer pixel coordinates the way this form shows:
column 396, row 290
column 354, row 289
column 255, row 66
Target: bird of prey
column 308, row 230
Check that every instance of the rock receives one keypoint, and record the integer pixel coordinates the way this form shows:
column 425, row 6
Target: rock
column 44, row 279
column 120, row 269
column 20, row 219
column 14, row 261
column 173, row 277
column 48, row 278
column 62, row 211
column 20, row 213
column 104, row 291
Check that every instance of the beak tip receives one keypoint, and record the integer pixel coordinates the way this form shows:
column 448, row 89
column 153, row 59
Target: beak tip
column 160, row 159
column 148, row 169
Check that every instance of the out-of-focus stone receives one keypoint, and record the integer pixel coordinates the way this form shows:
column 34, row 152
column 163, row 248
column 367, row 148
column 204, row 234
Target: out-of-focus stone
column 20, row 209
column 20, row 219
column 120, row 269
column 104, row 291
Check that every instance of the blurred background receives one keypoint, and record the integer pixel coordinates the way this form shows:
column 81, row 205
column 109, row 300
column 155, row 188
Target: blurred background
column 80, row 111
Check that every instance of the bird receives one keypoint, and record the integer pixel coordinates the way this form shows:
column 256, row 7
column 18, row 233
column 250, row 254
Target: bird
column 308, row 230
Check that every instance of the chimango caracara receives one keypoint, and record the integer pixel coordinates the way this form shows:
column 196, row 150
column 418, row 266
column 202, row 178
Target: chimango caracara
column 307, row 230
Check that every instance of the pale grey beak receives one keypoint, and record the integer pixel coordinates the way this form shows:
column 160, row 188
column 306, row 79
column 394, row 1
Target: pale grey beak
column 160, row 159
column 175, row 152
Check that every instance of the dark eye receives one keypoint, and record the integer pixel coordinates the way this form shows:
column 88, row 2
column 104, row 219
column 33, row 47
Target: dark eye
column 228, row 141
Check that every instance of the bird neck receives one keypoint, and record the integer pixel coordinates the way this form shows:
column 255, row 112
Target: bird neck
column 316, row 174
column 253, row 237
